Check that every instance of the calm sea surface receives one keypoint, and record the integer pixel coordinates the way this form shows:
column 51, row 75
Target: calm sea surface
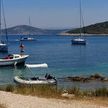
column 62, row 58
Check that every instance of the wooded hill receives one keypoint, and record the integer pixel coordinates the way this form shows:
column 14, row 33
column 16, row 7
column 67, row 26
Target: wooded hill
column 98, row 28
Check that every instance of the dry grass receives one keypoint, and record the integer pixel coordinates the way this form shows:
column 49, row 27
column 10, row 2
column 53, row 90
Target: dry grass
column 98, row 96
column 40, row 90
column 100, row 92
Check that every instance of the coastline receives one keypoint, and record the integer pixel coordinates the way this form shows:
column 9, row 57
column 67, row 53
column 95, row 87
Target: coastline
column 21, row 101
column 68, row 34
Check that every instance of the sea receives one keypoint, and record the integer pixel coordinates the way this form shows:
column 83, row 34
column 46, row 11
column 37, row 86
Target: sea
column 63, row 59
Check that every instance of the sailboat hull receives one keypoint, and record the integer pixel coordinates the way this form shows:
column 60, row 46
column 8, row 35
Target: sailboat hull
column 78, row 42
column 34, row 81
column 3, row 48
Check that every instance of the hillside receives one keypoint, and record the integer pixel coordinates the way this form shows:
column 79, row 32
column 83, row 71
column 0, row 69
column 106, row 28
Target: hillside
column 25, row 30
column 98, row 28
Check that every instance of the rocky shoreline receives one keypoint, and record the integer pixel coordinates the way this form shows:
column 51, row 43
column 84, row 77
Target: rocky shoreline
column 95, row 77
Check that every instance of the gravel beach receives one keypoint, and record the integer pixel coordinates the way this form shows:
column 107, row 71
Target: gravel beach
column 20, row 101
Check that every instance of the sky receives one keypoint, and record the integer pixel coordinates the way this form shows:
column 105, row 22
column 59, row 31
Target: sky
column 54, row 14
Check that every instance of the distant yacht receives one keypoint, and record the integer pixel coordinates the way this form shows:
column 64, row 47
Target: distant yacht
column 26, row 39
column 80, row 40
column 29, row 38
column 3, row 44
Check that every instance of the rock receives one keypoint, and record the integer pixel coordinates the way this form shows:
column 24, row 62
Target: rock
column 105, row 79
column 78, row 79
column 95, row 77
column 67, row 95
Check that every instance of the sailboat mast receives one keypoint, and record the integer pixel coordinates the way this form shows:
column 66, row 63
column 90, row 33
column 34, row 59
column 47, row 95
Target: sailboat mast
column 80, row 17
column 29, row 20
column 0, row 19
column 2, row 6
column 29, row 24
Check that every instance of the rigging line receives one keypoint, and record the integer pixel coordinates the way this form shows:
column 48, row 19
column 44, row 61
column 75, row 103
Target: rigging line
column 2, row 6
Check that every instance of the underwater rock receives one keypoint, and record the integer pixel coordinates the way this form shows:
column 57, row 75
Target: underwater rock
column 95, row 77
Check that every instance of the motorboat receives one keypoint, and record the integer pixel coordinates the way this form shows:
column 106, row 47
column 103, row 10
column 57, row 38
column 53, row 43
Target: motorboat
column 13, row 59
column 35, row 80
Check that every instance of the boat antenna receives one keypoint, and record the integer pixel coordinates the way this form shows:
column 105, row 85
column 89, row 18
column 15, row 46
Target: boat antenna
column 2, row 6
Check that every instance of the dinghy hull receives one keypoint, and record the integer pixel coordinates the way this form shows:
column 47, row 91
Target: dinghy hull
column 23, row 81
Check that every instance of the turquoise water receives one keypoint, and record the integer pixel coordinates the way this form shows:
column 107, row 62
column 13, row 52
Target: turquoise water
column 62, row 58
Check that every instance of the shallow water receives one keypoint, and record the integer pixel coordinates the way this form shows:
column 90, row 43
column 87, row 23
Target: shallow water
column 62, row 58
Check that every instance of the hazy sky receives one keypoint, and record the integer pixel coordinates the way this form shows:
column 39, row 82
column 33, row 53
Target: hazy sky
column 54, row 13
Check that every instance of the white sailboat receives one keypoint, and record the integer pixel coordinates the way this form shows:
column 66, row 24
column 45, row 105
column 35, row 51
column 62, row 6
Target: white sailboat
column 3, row 44
column 80, row 40
column 29, row 38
